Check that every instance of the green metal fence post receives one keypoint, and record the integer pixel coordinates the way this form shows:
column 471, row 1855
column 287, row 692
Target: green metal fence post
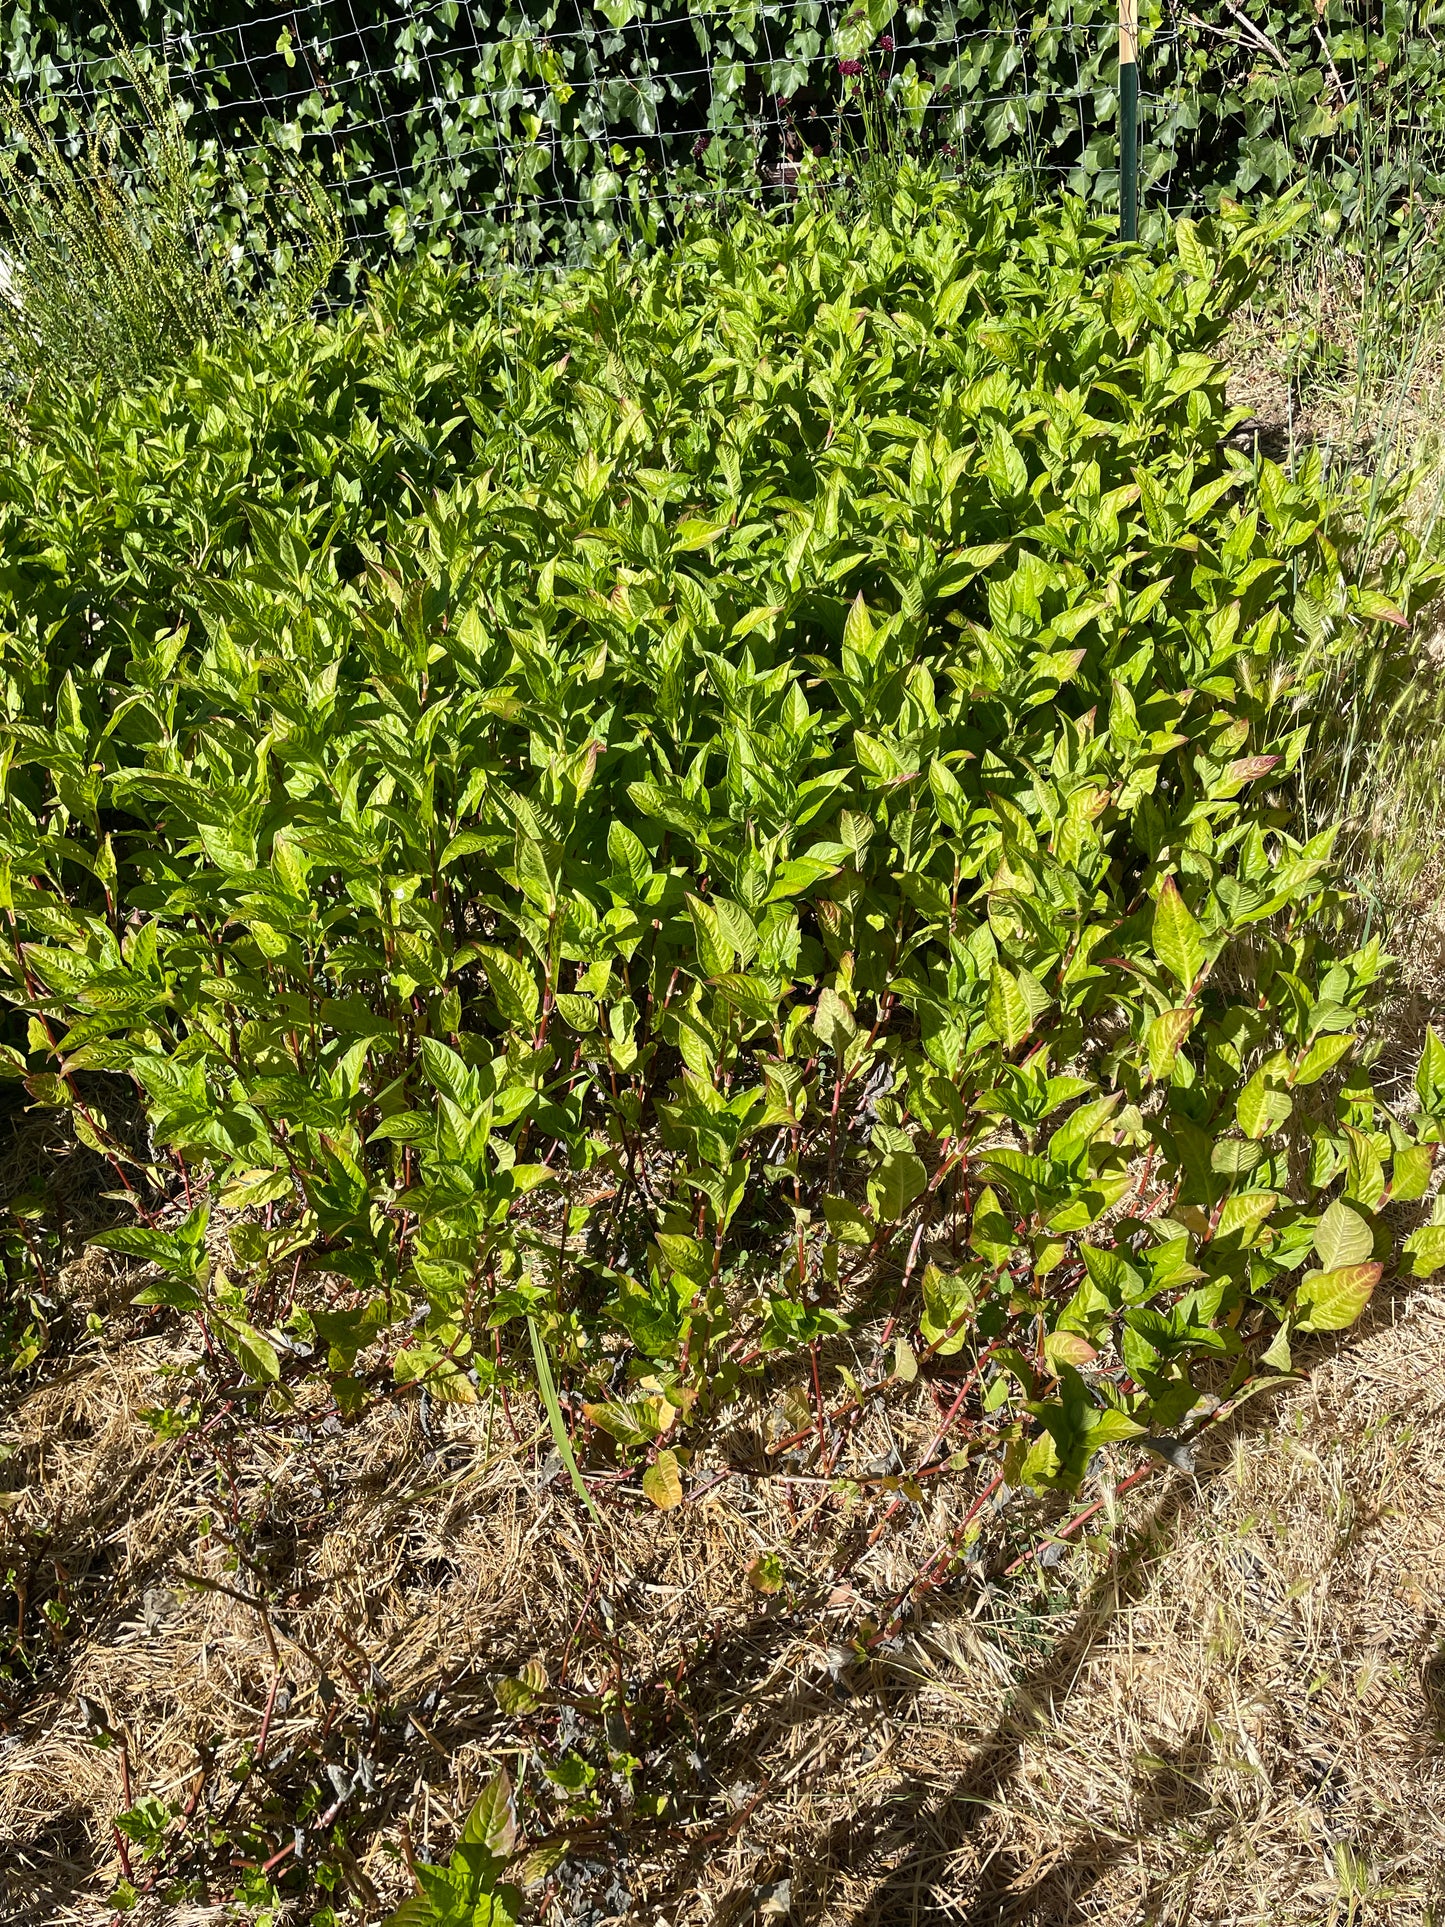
column 1128, row 120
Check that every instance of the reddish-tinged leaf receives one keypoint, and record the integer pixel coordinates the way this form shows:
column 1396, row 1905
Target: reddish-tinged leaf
column 1247, row 769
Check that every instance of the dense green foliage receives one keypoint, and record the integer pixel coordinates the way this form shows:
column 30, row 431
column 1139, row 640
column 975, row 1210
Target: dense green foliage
column 646, row 824
column 537, row 128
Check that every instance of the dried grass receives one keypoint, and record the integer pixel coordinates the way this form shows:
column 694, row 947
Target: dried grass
column 1229, row 1708
column 1380, row 415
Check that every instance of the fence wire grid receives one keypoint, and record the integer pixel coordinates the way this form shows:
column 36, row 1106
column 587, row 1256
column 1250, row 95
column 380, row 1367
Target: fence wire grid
column 436, row 124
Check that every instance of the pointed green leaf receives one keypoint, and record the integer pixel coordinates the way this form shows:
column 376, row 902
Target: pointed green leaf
column 1261, row 1107
column 1007, row 1008
column 1178, row 942
column 1426, row 1250
column 492, row 1822
column 1410, row 1171
column 1163, row 1039
column 1342, row 1237
column 1322, row 1056
column 1430, row 1076
column 1331, row 1301
column 899, row 1179
column 662, row 1482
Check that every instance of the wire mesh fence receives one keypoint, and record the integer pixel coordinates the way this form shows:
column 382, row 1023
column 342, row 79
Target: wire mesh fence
column 543, row 129
column 437, row 124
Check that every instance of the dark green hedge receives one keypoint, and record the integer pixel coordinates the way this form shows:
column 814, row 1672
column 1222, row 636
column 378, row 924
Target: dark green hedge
column 433, row 119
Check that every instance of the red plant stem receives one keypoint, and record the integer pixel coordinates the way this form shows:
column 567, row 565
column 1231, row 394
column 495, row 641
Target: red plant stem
column 903, row 1282
column 818, row 1401
column 266, row 1717
column 1073, row 1524
column 938, row 1558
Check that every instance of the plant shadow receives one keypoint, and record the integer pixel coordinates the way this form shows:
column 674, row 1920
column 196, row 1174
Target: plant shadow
column 899, row 1851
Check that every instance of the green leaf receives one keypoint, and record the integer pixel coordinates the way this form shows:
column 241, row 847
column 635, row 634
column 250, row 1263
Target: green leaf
column 1193, row 258
column 686, row 1255
column 1007, row 1008
column 1322, row 1056
column 990, row 1233
column 1364, row 1173
column 522, row 1692
column 415, row 1911
column 578, row 1011
column 449, row 1074
column 1410, row 1172
column 254, row 1354
column 899, row 1179
column 1081, row 1129
column 513, row 985
column 846, row 1222
column 1163, row 1039
column 662, row 1482
column 492, row 1822
column 949, row 1300
column 250, row 1190
column 695, row 534
column 1331, row 1301
column 1342, row 1237
column 1425, row 1249
column 174, row 1292
column 1430, row 1076
column 1262, row 1107
column 833, row 1021
column 1178, row 941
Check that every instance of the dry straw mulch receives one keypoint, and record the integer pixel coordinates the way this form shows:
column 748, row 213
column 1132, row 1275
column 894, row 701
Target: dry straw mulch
column 1229, row 1708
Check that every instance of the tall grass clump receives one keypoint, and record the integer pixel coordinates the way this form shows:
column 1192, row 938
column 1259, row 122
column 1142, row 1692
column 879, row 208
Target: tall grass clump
column 1341, row 357
column 114, row 268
